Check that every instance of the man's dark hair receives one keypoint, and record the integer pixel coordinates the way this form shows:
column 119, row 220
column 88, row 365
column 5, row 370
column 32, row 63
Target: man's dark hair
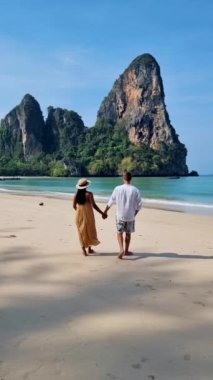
column 127, row 176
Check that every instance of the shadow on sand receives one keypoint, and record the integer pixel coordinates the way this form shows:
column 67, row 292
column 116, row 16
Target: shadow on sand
column 168, row 255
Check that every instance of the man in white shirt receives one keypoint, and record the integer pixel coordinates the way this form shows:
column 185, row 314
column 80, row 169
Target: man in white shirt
column 128, row 202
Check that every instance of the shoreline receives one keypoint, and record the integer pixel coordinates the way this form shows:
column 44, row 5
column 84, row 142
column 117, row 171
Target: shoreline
column 158, row 204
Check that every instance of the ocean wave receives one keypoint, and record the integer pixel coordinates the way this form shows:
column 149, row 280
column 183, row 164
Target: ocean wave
column 167, row 204
column 176, row 203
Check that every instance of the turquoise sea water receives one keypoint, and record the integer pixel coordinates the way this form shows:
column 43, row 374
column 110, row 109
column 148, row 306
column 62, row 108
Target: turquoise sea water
column 192, row 194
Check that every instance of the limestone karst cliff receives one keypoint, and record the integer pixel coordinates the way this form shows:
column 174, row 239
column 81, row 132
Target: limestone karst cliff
column 63, row 129
column 132, row 132
column 22, row 130
column 136, row 101
column 24, row 133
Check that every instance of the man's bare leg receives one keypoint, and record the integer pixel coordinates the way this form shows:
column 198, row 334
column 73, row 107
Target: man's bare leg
column 121, row 244
column 127, row 243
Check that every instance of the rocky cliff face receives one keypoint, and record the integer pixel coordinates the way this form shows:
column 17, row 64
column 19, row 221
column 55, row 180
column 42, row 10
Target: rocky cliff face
column 24, row 133
column 133, row 131
column 22, row 130
column 136, row 101
column 63, row 129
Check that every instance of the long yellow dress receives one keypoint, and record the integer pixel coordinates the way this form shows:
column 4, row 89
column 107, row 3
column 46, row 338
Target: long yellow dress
column 85, row 222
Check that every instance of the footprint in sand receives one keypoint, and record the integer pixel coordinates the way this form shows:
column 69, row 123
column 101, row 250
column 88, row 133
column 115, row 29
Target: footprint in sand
column 150, row 287
column 187, row 357
column 199, row 303
column 43, row 316
column 136, row 365
column 144, row 360
column 111, row 376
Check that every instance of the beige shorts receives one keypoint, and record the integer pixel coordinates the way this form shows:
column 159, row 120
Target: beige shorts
column 123, row 226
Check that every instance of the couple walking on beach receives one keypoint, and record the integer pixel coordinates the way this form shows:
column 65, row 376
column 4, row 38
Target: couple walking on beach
column 128, row 202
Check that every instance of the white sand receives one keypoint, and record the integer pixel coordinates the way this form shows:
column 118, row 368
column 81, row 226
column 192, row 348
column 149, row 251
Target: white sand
column 68, row 317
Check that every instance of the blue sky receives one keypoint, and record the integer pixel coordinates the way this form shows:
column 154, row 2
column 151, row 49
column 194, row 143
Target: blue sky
column 68, row 53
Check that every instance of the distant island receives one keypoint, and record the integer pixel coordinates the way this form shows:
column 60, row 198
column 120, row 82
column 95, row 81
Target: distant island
column 132, row 132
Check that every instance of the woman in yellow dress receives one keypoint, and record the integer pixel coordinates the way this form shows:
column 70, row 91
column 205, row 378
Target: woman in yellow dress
column 84, row 203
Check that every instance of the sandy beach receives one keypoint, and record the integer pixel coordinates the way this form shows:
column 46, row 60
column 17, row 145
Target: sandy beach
column 69, row 317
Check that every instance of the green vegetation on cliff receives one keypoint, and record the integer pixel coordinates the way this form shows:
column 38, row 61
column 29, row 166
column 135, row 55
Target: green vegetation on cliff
column 132, row 132
column 103, row 150
column 108, row 151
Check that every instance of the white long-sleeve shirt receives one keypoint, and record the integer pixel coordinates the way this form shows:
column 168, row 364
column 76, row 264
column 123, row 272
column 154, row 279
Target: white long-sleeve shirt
column 128, row 200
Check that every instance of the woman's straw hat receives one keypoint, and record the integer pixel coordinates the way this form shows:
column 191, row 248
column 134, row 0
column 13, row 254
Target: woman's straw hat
column 83, row 183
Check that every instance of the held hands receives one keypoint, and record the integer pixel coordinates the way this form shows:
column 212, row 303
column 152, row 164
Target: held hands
column 104, row 215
